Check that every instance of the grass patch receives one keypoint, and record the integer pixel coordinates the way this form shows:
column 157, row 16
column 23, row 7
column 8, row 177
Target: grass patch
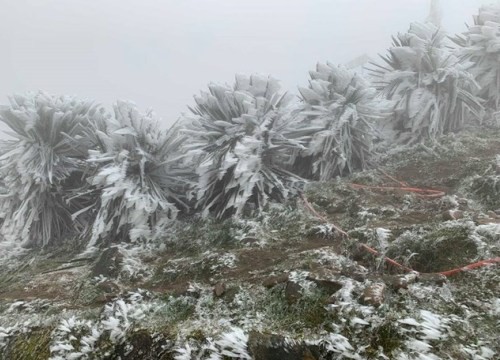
column 176, row 309
column 308, row 312
column 444, row 248
column 385, row 337
column 30, row 346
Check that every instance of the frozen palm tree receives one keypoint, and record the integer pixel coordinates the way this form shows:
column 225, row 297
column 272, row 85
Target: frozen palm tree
column 432, row 88
column 239, row 136
column 337, row 114
column 480, row 44
column 136, row 179
column 40, row 166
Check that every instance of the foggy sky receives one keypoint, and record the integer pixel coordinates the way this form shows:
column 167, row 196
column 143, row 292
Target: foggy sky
column 160, row 53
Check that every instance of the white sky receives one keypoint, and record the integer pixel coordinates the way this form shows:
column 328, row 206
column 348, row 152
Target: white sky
column 159, row 53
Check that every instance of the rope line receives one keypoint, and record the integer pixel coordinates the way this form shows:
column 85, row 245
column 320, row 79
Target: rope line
column 427, row 193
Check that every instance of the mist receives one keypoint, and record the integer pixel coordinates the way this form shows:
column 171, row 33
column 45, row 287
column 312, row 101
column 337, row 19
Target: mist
column 160, row 53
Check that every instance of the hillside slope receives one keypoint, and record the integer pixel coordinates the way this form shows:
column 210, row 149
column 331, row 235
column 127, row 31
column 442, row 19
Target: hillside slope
column 286, row 284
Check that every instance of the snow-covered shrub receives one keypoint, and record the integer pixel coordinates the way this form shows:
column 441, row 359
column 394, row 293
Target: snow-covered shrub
column 239, row 135
column 136, row 175
column 480, row 44
column 76, row 338
column 337, row 114
column 230, row 344
column 41, row 166
column 421, row 332
column 433, row 91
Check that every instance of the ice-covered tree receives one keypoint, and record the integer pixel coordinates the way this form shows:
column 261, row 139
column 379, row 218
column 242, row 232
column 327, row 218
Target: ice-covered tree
column 41, row 167
column 337, row 115
column 239, row 135
column 136, row 181
column 480, row 44
column 433, row 91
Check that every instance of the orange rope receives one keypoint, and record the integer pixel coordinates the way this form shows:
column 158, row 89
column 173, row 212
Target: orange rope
column 388, row 260
column 471, row 266
column 401, row 183
column 403, row 186
column 311, row 209
column 428, row 193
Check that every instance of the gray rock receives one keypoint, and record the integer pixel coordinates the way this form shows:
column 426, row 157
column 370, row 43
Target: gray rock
column 274, row 280
column 109, row 287
column 109, row 263
column 293, row 292
column 219, row 289
column 325, row 280
column 453, row 215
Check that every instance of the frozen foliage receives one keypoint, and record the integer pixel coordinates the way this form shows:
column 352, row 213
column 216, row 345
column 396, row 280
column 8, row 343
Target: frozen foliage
column 136, row 176
column 41, row 166
column 427, row 327
column 337, row 114
column 5, row 333
column 480, row 44
column 433, row 91
column 240, row 137
column 133, row 266
column 75, row 338
column 9, row 251
column 70, row 331
column 231, row 344
column 338, row 345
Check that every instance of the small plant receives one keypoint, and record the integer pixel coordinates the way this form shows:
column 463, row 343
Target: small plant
column 337, row 115
column 175, row 309
column 239, row 137
column 432, row 88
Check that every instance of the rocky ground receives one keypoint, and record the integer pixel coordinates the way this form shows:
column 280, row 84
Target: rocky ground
column 285, row 284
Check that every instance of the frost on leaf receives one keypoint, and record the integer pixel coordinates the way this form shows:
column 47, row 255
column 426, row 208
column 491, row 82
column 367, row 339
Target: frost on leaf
column 42, row 166
column 336, row 117
column 136, row 176
column 433, row 90
column 240, row 139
